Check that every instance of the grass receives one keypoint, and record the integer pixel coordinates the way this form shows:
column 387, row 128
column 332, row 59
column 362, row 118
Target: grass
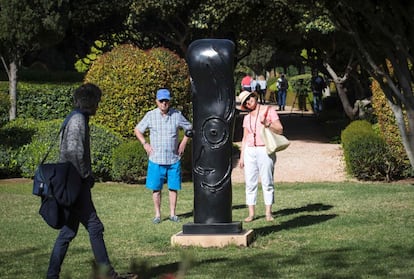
column 321, row 230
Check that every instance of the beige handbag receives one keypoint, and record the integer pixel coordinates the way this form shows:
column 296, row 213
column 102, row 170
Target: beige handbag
column 274, row 142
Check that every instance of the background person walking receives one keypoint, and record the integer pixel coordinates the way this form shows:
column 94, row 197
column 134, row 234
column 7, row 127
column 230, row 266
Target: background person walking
column 246, row 83
column 282, row 86
column 318, row 84
column 261, row 88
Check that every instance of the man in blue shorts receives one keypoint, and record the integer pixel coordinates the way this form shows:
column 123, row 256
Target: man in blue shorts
column 164, row 150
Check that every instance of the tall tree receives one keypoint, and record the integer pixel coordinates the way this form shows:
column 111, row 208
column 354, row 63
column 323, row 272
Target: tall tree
column 26, row 26
column 176, row 23
column 93, row 21
column 383, row 35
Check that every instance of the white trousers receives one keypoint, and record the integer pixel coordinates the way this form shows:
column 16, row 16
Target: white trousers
column 257, row 162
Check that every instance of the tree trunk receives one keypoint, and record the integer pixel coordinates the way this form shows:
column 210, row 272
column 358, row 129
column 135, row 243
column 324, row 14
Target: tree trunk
column 350, row 111
column 404, row 127
column 13, row 90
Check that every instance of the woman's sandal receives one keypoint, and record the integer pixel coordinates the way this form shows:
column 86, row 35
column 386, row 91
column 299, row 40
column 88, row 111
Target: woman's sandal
column 269, row 218
column 249, row 219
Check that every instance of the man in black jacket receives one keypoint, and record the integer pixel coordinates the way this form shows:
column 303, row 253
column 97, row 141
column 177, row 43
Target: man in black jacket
column 75, row 147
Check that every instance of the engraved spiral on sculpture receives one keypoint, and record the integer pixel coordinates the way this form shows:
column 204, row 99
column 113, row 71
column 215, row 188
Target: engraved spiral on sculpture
column 215, row 132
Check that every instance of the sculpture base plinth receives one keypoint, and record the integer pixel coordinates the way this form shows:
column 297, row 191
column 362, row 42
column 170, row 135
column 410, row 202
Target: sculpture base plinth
column 213, row 228
column 244, row 238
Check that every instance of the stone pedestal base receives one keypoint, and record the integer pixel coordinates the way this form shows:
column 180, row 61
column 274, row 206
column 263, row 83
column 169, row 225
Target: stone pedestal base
column 213, row 228
column 244, row 238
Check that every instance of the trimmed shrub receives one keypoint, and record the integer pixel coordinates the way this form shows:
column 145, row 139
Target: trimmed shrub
column 36, row 137
column 355, row 130
column 44, row 101
column 4, row 108
column 103, row 143
column 388, row 129
column 366, row 154
column 177, row 79
column 129, row 78
column 31, row 154
column 300, row 84
column 14, row 136
column 8, row 166
column 129, row 162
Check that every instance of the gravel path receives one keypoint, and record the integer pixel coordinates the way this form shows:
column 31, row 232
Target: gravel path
column 309, row 158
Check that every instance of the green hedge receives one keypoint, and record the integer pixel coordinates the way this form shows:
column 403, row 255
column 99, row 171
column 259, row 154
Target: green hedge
column 4, row 108
column 129, row 162
column 300, row 84
column 388, row 129
column 15, row 135
column 103, row 143
column 44, row 101
column 26, row 141
column 367, row 156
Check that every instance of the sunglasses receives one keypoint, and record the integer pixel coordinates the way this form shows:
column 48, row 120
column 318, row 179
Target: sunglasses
column 164, row 101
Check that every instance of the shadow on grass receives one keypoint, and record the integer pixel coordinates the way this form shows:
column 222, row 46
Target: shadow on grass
column 167, row 270
column 308, row 208
column 298, row 222
column 6, row 255
column 284, row 212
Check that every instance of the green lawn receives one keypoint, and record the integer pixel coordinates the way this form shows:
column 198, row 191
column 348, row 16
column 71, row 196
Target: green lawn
column 321, row 230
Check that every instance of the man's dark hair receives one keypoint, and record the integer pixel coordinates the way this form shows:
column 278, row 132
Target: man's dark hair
column 87, row 96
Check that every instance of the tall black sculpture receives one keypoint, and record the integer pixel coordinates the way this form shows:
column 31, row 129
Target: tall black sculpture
column 211, row 65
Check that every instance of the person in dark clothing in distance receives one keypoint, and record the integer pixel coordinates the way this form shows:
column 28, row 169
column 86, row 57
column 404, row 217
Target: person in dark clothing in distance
column 282, row 86
column 318, row 84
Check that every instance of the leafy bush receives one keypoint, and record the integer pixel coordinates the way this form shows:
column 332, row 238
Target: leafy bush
column 129, row 78
column 103, row 143
column 129, row 162
column 388, row 129
column 31, row 154
column 14, row 135
column 4, row 108
column 367, row 156
column 8, row 166
column 300, row 84
column 355, row 130
column 44, row 101
column 27, row 141
column 177, row 78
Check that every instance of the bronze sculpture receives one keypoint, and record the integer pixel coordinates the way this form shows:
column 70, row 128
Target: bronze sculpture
column 211, row 66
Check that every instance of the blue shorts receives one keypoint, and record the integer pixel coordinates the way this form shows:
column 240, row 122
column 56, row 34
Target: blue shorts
column 157, row 175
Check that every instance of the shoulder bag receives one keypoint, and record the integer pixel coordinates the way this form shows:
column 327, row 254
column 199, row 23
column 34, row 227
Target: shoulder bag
column 58, row 185
column 273, row 142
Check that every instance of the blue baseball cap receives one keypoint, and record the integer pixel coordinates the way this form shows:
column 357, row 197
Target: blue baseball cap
column 163, row 94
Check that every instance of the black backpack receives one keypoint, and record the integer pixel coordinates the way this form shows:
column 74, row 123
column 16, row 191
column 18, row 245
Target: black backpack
column 319, row 84
column 283, row 84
